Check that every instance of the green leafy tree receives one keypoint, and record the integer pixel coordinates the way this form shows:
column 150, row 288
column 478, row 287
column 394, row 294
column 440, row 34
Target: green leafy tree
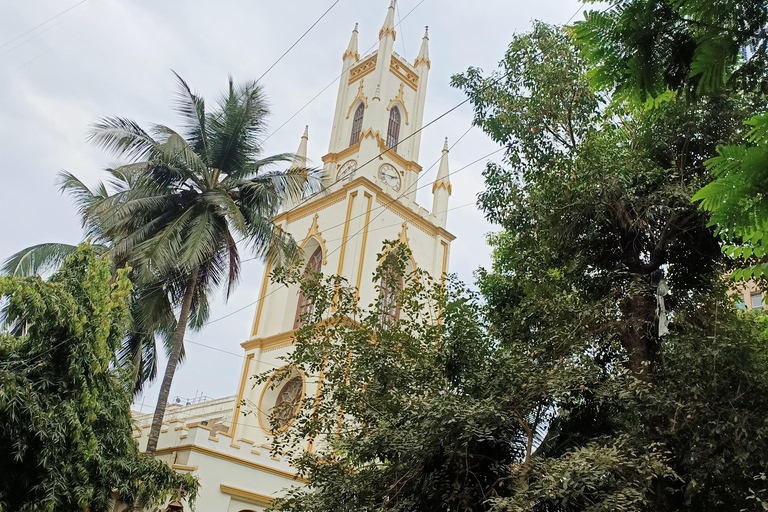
column 66, row 438
column 644, row 48
column 601, row 190
column 737, row 200
column 176, row 212
column 595, row 200
column 407, row 416
column 650, row 49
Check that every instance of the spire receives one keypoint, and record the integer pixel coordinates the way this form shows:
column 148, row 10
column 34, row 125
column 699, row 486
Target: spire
column 300, row 160
column 441, row 190
column 389, row 22
column 443, row 179
column 423, row 56
column 299, row 163
column 352, row 48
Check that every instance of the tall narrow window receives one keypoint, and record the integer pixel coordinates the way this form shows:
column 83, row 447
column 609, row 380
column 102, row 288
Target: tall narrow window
column 757, row 301
column 357, row 124
column 393, row 132
column 391, row 284
column 305, row 303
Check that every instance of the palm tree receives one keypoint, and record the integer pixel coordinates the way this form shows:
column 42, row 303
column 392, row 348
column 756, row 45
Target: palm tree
column 176, row 212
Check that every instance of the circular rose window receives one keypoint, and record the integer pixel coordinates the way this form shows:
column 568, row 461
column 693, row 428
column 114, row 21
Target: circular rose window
column 288, row 401
column 281, row 399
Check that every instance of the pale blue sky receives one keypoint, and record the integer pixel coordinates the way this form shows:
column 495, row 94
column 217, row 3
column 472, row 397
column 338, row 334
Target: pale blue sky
column 111, row 57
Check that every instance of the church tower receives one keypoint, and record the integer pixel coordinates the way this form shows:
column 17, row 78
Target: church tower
column 372, row 166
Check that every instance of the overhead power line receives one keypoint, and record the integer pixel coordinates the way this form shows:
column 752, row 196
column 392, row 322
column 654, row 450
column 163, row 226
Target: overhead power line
column 41, row 24
column 9, row 50
column 344, row 70
column 298, row 40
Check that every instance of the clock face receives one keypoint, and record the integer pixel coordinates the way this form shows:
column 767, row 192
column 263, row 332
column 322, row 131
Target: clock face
column 389, row 176
column 347, row 171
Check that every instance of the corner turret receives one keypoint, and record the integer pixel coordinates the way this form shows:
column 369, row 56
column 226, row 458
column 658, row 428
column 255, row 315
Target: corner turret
column 299, row 162
column 352, row 48
column 441, row 190
column 422, row 59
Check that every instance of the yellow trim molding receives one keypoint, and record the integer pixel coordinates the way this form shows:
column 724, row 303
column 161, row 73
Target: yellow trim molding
column 253, row 498
column 240, row 392
column 445, row 259
column 382, row 197
column 262, row 294
column 408, row 165
column 341, row 155
column 444, row 184
column 370, row 134
column 270, row 342
column 402, row 71
column 184, row 467
column 412, row 217
column 360, row 96
column 266, row 428
column 342, row 253
column 422, row 60
column 364, row 68
column 231, row 458
column 402, row 238
column 365, row 240
column 398, row 99
column 314, row 232
column 388, row 30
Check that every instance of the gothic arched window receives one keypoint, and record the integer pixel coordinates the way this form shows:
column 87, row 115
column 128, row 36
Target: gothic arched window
column 393, row 132
column 305, row 303
column 391, row 284
column 357, row 124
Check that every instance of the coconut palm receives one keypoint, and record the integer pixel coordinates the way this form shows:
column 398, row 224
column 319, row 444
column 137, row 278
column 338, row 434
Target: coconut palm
column 177, row 210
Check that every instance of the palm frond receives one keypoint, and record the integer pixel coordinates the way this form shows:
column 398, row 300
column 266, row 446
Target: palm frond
column 122, row 137
column 259, row 165
column 191, row 107
column 37, row 259
column 233, row 265
column 237, row 128
column 85, row 200
column 175, row 154
column 163, row 251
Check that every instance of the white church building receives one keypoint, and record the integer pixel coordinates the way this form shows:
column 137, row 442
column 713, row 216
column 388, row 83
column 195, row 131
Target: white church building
column 373, row 168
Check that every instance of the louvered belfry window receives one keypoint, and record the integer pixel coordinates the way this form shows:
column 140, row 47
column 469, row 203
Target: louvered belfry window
column 305, row 303
column 393, row 132
column 357, row 124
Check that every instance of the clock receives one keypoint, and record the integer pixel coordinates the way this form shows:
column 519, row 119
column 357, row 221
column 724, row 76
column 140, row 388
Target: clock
column 389, row 176
column 347, row 171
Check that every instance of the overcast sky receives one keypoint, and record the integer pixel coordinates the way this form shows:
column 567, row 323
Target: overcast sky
column 111, row 57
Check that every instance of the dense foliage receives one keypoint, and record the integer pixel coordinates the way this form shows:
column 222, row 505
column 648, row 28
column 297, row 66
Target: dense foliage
column 66, row 437
column 604, row 255
column 603, row 367
column 656, row 50
column 645, row 48
column 407, row 417
column 738, row 198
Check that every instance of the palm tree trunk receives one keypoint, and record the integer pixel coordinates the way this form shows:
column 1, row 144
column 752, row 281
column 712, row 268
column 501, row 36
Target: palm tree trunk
column 173, row 360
